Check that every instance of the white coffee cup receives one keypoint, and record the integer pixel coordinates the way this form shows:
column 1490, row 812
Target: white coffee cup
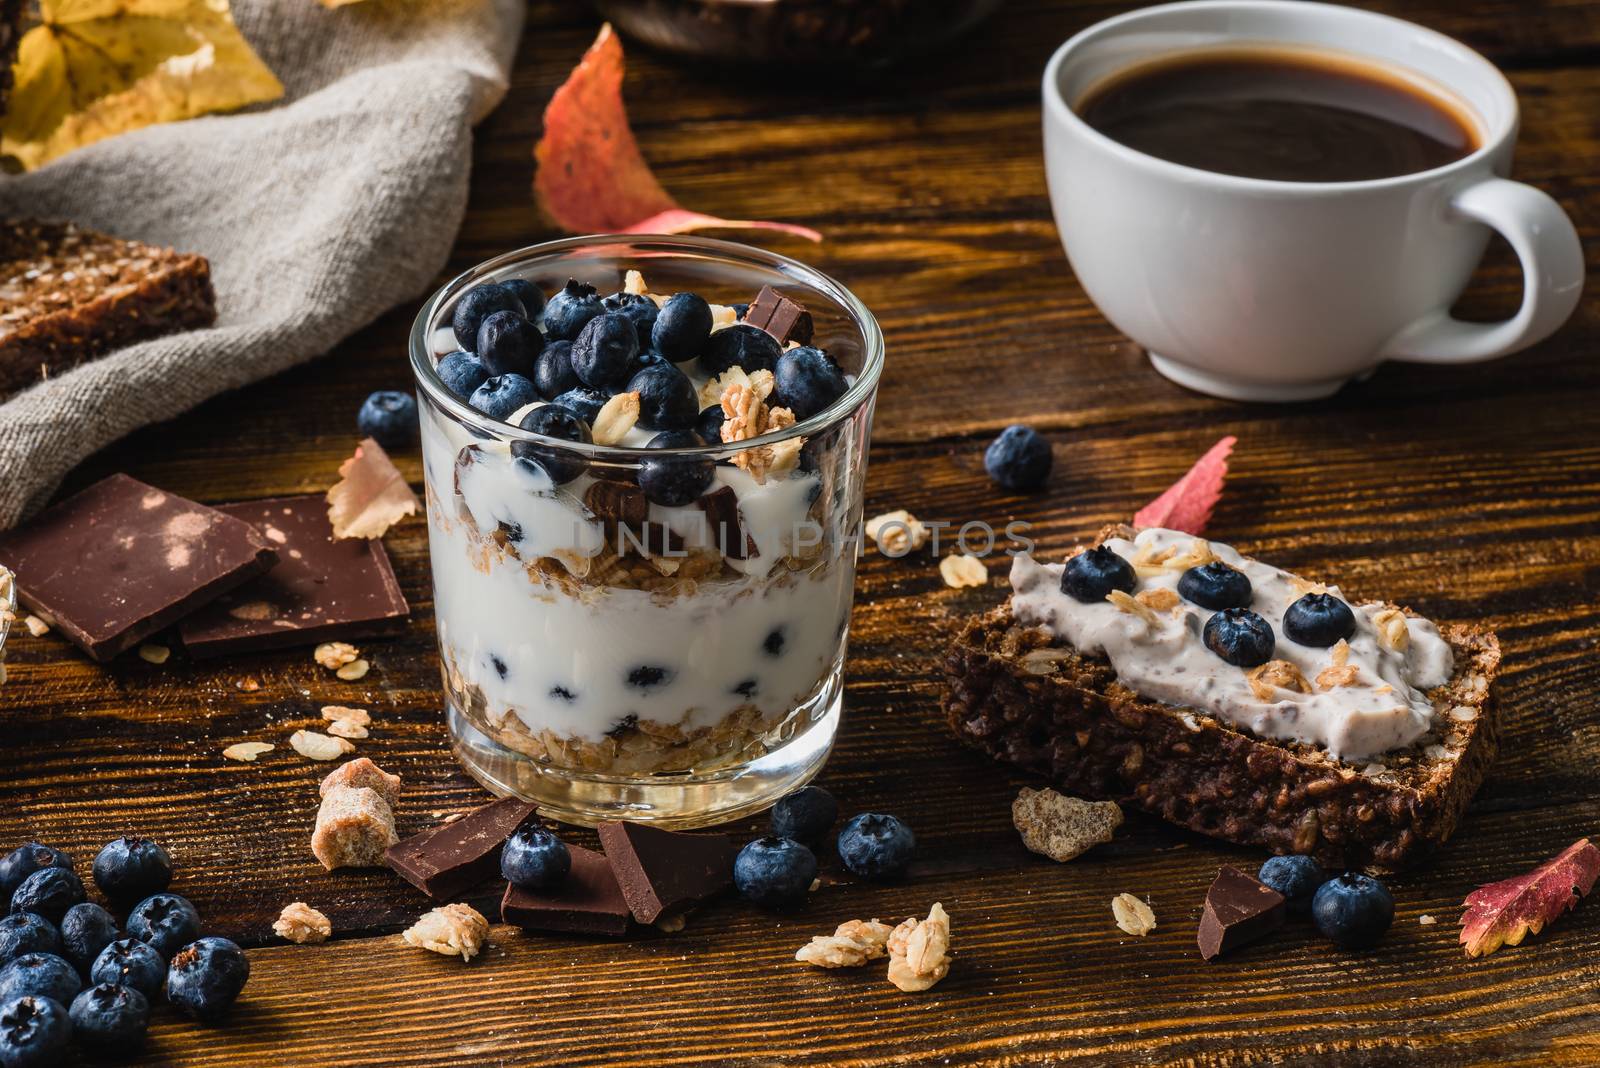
column 1280, row 291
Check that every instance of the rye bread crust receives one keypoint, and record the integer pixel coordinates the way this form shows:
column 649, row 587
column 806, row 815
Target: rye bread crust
column 1045, row 708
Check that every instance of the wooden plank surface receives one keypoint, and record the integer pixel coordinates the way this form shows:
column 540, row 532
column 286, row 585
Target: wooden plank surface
column 1468, row 493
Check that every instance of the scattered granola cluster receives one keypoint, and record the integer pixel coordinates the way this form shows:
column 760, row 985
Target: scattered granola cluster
column 918, row 950
column 302, row 924
column 355, row 821
column 1133, row 915
column 449, row 930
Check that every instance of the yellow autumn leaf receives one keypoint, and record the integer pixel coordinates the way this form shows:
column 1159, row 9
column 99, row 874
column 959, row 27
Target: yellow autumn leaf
column 95, row 68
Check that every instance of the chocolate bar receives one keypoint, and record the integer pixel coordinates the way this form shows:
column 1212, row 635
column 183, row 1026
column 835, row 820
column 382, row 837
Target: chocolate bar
column 589, row 901
column 664, row 873
column 781, row 317
column 323, row 587
column 1239, row 909
column 115, row 563
column 454, row 857
column 721, row 507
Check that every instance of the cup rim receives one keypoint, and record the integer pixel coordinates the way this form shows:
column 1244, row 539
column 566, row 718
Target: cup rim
column 1058, row 110
column 424, row 367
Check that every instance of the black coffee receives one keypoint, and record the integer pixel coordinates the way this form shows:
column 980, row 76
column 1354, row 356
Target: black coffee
column 1284, row 114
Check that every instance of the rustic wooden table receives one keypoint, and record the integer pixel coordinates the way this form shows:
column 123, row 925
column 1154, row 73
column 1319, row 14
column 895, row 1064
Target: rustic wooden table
column 1470, row 493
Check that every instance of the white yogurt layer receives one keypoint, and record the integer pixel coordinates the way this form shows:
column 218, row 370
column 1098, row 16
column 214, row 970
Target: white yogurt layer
column 1164, row 659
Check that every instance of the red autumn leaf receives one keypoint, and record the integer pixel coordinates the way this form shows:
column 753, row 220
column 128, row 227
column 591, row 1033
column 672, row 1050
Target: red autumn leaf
column 1502, row 913
column 592, row 179
column 371, row 495
column 1187, row 503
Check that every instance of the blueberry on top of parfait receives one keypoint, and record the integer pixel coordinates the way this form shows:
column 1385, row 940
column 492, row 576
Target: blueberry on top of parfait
column 667, row 398
column 509, row 344
column 555, row 421
column 638, row 309
column 570, row 310
column 462, row 373
column 682, row 327
column 1318, row 620
column 476, row 305
column 807, row 381
column 1094, row 573
column 502, row 395
column 674, row 482
column 1240, row 637
column 1019, row 459
column 709, row 424
column 583, row 402
column 552, row 372
column 740, row 345
column 1216, row 586
column 531, row 296
column 604, row 351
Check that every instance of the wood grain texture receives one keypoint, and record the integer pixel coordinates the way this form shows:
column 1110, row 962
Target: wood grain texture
column 1468, row 493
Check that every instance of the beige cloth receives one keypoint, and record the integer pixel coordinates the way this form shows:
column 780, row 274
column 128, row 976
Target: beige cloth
column 318, row 212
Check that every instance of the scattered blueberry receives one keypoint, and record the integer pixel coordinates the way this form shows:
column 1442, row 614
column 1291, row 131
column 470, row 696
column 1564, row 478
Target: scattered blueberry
column 86, row 930
column 1092, row 575
column 535, row 859
column 461, row 373
column 553, row 374
column 50, row 892
column 555, row 421
column 205, row 977
column 530, row 295
column 570, row 310
column 675, row 482
column 110, row 1017
column 806, row 381
column 34, row 1033
column 509, row 344
column 649, row 676
column 667, row 399
column 1296, row 878
column 603, row 353
column 1353, row 910
column 476, row 305
column 709, row 425
column 876, row 846
column 389, row 417
column 638, row 309
column 42, row 975
column 772, row 644
column 165, row 922
column 740, row 345
column 25, row 932
column 502, row 395
column 740, row 310
column 775, row 872
column 805, row 815
column 1318, row 619
column 1019, row 459
column 682, row 327
column 24, row 860
column 583, row 402
column 1240, row 637
column 1216, row 586
column 131, row 963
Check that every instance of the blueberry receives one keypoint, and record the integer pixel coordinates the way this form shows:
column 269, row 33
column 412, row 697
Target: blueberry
column 739, row 345
column 1353, row 910
column 1216, row 586
column 603, row 354
column 682, row 327
column 773, row 643
column 389, row 417
column 1296, row 878
column 25, row 932
column 647, row 359
column 49, row 892
column 461, row 373
column 34, row 1033
column 806, row 381
column 747, row 688
column 1092, row 575
column 476, row 305
column 535, row 859
column 130, row 868
column 675, row 482
column 583, row 402
column 637, row 309
column 110, row 1017
column 553, row 374
column 570, row 310
column 1019, row 459
column 502, row 395
column 1240, row 637
column 1318, row 619
column 805, row 815
column 165, row 922
column 709, row 425
column 530, row 295
column 42, row 975
column 24, row 860
column 648, row 676
column 86, row 929
column 555, row 421
column 876, row 846
column 774, row 872
column 740, row 310
column 131, row 963
column 509, row 344
column 667, row 399
column 205, row 977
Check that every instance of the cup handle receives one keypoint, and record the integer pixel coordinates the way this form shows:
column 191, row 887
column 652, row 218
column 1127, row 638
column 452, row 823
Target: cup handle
column 1552, row 278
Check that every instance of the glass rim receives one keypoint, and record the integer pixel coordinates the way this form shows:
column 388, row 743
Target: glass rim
column 424, row 367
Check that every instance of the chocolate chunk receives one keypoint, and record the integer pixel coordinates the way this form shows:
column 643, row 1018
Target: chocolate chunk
column 323, row 587
column 721, row 507
column 617, row 503
column 779, row 316
column 454, row 857
column 664, row 873
column 1239, row 909
column 588, row 901
column 120, row 560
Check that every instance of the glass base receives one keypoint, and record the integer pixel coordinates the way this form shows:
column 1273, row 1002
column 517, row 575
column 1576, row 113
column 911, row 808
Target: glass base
column 693, row 798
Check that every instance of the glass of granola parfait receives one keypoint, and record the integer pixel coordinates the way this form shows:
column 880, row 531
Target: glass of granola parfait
column 644, row 460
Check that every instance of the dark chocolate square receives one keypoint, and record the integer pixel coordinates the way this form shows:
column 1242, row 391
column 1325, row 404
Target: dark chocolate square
column 663, row 873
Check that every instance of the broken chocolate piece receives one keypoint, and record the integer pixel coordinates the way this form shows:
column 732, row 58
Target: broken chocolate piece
column 615, row 503
column 721, row 507
column 323, row 586
column 115, row 563
column 781, row 317
column 666, row 873
column 1239, row 909
column 455, row 857
column 588, row 901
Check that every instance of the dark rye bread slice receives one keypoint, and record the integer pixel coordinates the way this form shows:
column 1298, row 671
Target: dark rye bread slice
column 69, row 294
column 1045, row 708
